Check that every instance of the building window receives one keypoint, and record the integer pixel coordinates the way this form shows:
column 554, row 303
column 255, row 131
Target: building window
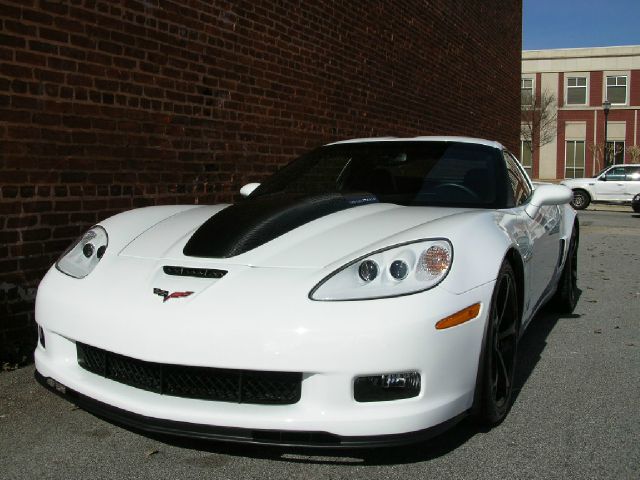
column 574, row 161
column 520, row 186
column 525, row 157
column 616, row 152
column 617, row 89
column 576, row 90
column 526, row 91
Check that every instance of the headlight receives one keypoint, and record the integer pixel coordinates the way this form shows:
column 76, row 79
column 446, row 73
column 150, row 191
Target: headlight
column 81, row 258
column 390, row 272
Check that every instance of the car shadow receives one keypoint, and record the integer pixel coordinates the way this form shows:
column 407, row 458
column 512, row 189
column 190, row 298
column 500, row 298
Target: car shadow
column 533, row 343
column 530, row 349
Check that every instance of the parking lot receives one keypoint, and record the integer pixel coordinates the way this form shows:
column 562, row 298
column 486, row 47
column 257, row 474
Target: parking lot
column 575, row 414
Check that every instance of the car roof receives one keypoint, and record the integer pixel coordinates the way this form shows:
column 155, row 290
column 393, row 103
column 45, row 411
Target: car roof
column 478, row 141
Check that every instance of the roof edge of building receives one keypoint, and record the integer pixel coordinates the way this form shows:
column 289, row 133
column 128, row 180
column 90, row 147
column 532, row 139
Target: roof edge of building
column 582, row 52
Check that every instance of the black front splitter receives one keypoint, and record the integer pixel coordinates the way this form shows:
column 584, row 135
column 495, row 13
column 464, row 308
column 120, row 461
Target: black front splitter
column 281, row 438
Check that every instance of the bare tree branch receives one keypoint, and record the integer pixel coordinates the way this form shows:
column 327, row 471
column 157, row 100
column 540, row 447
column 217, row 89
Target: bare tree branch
column 634, row 153
column 597, row 151
column 539, row 119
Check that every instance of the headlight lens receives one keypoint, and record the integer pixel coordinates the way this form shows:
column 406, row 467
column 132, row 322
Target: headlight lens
column 394, row 271
column 81, row 258
column 368, row 271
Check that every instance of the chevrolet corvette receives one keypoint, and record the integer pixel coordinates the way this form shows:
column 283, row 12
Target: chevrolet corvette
column 370, row 293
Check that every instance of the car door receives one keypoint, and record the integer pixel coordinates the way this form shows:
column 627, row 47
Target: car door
column 542, row 238
column 610, row 186
column 632, row 182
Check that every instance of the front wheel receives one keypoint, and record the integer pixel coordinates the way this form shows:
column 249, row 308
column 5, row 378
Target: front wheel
column 581, row 199
column 500, row 349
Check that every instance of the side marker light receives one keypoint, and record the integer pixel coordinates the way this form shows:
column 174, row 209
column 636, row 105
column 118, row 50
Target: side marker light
column 460, row 317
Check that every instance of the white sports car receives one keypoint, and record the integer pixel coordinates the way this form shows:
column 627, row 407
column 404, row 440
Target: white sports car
column 370, row 293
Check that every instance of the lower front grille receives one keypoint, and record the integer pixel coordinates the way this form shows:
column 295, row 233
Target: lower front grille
column 223, row 385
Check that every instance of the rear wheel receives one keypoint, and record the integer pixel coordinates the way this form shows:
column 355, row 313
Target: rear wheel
column 566, row 296
column 500, row 349
column 581, row 199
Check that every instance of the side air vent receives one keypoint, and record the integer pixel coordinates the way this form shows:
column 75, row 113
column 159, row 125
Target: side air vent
column 193, row 272
column 561, row 256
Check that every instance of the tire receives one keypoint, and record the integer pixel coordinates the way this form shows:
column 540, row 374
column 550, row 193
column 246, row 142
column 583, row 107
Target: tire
column 566, row 297
column 498, row 364
column 581, row 199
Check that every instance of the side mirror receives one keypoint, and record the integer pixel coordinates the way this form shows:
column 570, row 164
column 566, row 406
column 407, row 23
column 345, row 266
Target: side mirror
column 603, row 177
column 548, row 195
column 248, row 189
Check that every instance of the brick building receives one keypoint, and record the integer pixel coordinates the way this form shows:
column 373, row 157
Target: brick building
column 580, row 80
column 107, row 106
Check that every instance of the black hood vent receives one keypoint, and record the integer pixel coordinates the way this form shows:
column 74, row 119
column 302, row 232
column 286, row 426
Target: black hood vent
column 256, row 221
column 193, row 272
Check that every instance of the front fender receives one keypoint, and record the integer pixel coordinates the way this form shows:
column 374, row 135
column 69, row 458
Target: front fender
column 479, row 247
column 125, row 227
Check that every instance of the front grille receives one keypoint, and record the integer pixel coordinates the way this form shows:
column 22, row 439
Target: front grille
column 223, row 385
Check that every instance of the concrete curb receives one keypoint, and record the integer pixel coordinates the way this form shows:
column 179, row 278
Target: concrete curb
column 608, row 207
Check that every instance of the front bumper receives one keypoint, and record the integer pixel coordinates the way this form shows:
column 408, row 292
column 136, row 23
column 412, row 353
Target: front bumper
column 282, row 438
column 330, row 343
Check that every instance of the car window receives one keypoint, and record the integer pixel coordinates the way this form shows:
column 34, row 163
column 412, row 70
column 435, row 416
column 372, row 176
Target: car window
column 597, row 175
column 616, row 173
column 520, row 185
column 633, row 174
column 438, row 173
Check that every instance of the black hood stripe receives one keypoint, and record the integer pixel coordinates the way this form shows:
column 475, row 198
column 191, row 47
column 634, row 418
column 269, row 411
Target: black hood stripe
column 256, row 221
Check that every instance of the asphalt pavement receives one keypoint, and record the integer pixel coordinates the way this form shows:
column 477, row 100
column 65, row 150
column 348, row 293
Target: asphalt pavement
column 576, row 412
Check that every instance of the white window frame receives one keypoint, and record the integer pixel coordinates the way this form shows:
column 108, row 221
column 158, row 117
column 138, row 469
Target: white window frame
column 567, row 87
column 526, row 168
column 613, row 153
column 626, row 89
column 573, row 167
column 533, row 89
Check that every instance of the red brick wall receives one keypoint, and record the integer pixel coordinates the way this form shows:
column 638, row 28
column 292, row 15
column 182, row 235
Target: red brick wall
column 107, row 106
column 561, row 89
column 634, row 93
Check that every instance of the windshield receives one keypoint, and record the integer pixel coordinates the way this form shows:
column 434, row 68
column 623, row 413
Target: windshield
column 406, row 173
column 600, row 172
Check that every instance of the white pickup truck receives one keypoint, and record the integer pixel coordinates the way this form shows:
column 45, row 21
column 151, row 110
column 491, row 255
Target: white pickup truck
column 617, row 183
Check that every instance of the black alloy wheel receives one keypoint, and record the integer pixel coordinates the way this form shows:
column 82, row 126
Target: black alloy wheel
column 500, row 350
column 581, row 200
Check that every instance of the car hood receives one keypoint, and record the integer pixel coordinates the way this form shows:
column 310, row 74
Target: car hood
column 577, row 181
column 315, row 244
